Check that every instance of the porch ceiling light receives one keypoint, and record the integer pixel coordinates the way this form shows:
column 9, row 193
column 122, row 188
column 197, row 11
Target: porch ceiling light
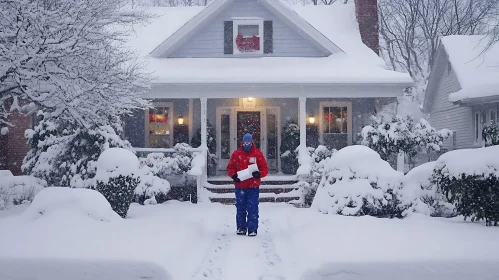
column 180, row 120
column 250, row 99
column 311, row 119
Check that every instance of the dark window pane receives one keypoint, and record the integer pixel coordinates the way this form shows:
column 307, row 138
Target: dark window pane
column 336, row 121
column 344, row 114
column 271, row 136
column 225, row 137
column 325, row 119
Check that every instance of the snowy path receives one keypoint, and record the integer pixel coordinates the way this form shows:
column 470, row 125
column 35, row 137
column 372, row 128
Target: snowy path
column 241, row 257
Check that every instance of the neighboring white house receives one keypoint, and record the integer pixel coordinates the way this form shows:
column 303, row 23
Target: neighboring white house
column 463, row 89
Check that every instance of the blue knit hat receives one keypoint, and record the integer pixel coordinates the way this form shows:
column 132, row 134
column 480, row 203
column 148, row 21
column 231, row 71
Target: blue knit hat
column 247, row 137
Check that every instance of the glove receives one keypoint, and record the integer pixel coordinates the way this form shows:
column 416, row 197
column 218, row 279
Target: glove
column 236, row 180
column 256, row 174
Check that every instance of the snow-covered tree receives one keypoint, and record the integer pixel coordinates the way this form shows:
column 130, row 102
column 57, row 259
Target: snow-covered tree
column 390, row 135
column 490, row 134
column 64, row 154
column 67, row 57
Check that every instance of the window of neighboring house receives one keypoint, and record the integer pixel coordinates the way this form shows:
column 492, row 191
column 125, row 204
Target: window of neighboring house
column 477, row 127
column 159, row 125
column 248, row 36
column 336, row 124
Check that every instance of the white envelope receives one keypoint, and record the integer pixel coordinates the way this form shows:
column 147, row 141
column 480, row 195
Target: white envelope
column 247, row 173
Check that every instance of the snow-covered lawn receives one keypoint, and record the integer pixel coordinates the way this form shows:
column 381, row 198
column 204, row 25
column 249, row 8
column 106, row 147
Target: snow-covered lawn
column 198, row 242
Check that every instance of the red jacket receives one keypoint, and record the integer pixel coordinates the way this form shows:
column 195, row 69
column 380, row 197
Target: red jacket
column 240, row 159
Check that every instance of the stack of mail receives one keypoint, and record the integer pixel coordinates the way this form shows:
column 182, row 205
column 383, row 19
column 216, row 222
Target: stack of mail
column 247, row 173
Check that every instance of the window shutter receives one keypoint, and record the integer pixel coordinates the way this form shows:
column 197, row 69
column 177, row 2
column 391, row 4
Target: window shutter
column 228, row 37
column 268, row 37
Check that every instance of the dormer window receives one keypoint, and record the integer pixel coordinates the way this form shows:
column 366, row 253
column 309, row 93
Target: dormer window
column 248, row 35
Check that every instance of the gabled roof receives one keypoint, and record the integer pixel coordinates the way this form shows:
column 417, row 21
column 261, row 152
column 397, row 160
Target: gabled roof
column 354, row 64
column 281, row 10
column 477, row 70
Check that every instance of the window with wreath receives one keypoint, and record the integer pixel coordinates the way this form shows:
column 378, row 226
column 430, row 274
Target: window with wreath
column 159, row 129
column 248, row 35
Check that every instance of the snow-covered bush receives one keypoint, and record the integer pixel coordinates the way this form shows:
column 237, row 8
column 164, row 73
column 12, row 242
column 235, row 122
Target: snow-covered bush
column 290, row 140
column 16, row 190
column 178, row 163
column 320, row 157
column 71, row 202
column 118, row 175
column 469, row 179
column 390, row 135
column 490, row 134
column 151, row 188
column 358, row 182
column 424, row 196
column 65, row 155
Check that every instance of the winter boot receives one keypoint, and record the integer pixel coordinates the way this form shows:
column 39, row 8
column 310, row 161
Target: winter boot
column 252, row 233
column 241, row 231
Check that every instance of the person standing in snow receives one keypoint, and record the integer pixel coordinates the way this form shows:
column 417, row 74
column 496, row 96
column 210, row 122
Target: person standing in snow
column 247, row 191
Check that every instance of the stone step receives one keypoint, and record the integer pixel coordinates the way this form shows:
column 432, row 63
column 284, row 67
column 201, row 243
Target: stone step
column 294, row 195
column 276, row 189
column 232, row 201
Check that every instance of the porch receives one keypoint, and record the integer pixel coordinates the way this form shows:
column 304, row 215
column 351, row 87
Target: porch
column 214, row 127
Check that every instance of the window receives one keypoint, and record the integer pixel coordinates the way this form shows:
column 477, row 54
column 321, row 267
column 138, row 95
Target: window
column 159, row 126
column 477, row 127
column 248, row 35
column 335, row 124
column 334, row 120
column 493, row 118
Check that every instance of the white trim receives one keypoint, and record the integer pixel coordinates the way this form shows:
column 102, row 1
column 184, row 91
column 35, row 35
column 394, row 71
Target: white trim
column 243, row 90
column 190, row 121
column 347, row 104
column 247, row 21
column 477, row 135
column 282, row 11
column 170, row 123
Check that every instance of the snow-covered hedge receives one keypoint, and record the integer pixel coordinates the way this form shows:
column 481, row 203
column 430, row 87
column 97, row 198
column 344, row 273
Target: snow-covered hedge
column 470, row 180
column 357, row 182
column 18, row 189
column 320, row 157
column 118, row 175
column 71, row 202
column 178, row 163
column 424, row 196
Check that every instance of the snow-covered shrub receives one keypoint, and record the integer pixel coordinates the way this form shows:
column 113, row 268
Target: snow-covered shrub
column 117, row 177
column 212, row 146
column 71, row 202
column 178, row 163
column 16, row 190
column 390, row 135
column 358, row 182
column 424, row 196
column 290, row 140
column 151, row 188
column 469, row 179
column 320, row 156
column 65, row 155
column 490, row 134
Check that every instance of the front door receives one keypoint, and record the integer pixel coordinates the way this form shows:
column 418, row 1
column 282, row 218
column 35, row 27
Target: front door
column 249, row 122
column 233, row 123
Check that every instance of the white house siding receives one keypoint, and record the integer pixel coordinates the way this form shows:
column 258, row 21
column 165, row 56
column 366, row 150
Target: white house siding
column 444, row 114
column 209, row 41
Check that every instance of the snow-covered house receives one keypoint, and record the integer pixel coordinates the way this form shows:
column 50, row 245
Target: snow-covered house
column 463, row 89
column 251, row 65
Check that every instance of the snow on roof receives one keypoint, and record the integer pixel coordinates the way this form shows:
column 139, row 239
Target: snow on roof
column 358, row 63
column 476, row 70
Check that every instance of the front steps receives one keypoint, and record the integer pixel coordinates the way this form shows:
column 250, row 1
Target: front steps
column 273, row 189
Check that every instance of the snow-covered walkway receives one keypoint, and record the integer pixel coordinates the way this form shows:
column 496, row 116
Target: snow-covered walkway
column 199, row 242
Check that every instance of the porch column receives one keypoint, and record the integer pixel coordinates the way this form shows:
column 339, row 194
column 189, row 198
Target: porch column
column 204, row 127
column 302, row 123
column 204, row 147
column 303, row 156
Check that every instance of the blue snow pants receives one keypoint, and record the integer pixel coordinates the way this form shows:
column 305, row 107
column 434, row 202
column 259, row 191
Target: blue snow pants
column 247, row 201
